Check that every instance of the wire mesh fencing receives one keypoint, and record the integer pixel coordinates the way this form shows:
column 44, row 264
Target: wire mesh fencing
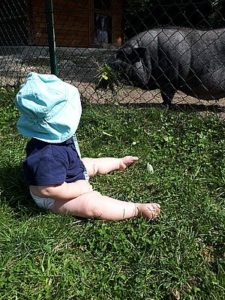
column 185, row 66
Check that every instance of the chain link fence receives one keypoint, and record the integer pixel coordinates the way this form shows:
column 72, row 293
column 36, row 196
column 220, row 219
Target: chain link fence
column 80, row 37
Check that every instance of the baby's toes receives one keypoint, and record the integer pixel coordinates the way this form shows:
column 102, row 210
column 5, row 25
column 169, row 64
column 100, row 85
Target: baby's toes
column 150, row 210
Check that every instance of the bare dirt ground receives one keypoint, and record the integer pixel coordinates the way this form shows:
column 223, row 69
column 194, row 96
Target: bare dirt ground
column 125, row 95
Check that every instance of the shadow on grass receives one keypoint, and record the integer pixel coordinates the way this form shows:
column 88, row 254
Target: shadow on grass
column 14, row 192
column 179, row 107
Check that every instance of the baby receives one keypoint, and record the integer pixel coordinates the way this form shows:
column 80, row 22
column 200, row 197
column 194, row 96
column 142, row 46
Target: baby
column 58, row 177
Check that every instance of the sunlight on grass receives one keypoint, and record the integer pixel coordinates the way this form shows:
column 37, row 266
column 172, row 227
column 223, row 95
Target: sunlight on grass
column 179, row 256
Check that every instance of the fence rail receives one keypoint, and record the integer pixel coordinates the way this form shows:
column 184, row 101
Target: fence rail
column 27, row 42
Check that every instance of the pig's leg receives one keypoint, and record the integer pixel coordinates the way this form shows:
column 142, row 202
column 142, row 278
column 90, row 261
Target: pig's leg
column 167, row 96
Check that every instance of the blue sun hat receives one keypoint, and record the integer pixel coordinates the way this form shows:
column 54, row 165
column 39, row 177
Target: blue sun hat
column 50, row 108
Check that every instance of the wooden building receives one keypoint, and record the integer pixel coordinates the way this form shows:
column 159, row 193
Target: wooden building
column 78, row 23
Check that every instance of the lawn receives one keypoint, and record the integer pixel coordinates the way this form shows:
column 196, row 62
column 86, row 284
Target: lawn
column 179, row 256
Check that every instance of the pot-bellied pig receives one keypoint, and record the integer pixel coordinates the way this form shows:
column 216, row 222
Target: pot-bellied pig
column 171, row 59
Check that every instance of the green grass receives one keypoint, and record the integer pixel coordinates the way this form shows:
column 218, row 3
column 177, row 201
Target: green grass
column 179, row 256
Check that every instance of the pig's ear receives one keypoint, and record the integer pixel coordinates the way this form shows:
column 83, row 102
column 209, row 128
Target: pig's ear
column 141, row 51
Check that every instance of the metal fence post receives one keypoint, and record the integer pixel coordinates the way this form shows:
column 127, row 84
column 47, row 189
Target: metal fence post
column 51, row 35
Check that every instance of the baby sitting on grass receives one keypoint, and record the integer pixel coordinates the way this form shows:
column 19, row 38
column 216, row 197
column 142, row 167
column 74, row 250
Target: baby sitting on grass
column 57, row 176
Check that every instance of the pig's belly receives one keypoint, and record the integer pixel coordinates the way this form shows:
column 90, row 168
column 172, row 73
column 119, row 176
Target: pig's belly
column 206, row 87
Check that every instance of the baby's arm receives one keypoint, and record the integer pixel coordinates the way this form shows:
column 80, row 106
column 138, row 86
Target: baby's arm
column 65, row 191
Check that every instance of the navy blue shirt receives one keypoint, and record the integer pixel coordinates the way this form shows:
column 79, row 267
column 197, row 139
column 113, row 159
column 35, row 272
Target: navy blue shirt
column 51, row 163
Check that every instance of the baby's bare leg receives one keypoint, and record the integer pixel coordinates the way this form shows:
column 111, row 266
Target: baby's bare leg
column 94, row 205
column 105, row 165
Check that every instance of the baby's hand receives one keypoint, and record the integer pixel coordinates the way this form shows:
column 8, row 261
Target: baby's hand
column 126, row 161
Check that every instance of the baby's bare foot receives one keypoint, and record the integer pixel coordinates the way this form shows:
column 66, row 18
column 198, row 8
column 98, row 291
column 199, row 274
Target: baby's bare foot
column 148, row 210
column 127, row 161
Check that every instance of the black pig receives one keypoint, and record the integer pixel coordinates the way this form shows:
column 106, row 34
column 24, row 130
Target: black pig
column 171, row 59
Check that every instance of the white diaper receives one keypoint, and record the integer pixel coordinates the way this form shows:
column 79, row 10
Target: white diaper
column 42, row 202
